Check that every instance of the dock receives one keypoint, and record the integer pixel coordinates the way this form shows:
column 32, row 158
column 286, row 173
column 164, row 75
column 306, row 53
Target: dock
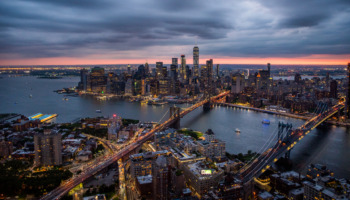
column 42, row 117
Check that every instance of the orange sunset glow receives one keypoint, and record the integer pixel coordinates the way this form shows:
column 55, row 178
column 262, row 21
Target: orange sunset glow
column 306, row 60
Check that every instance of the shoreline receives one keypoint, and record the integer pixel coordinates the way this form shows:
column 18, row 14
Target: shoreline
column 281, row 114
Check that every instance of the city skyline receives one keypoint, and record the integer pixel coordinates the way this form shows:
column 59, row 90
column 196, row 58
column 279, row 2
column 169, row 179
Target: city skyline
column 139, row 128
column 129, row 100
column 70, row 33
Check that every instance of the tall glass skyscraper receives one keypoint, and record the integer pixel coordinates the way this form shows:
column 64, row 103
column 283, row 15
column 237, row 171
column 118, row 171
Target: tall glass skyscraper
column 183, row 67
column 195, row 61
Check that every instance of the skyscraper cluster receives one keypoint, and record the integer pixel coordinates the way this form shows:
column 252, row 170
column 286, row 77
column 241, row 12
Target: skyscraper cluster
column 177, row 79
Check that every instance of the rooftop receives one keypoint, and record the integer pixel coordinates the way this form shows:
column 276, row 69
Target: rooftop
column 265, row 195
column 297, row 191
column 316, row 187
column 147, row 155
column 203, row 170
column 144, row 179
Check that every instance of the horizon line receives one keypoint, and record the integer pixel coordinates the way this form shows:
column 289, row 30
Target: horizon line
column 170, row 64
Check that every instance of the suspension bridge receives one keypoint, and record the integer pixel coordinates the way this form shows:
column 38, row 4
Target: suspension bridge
column 285, row 139
column 98, row 165
column 286, row 136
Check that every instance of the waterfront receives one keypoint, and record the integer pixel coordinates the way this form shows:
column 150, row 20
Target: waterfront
column 324, row 145
column 290, row 78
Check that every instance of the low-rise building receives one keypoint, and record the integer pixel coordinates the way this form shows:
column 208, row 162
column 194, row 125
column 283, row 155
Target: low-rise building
column 201, row 176
column 228, row 192
column 84, row 155
column 317, row 170
column 141, row 163
column 211, row 147
column 296, row 194
column 315, row 191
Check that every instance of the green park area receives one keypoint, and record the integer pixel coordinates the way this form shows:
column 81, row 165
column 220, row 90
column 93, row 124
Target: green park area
column 195, row 134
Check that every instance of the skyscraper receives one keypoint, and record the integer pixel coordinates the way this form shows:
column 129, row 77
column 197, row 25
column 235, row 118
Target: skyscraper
column 264, row 79
column 183, row 67
column 147, row 68
column 174, row 61
column 210, row 68
column 333, row 89
column 48, row 148
column 218, row 71
column 204, row 77
column 159, row 69
column 164, row 72
column 173, row 71
column 173, row 78
column 128, row 87
column 98, row 80
column 129, row 69
column 195, row 61
column 188, row 73
column 210, row 87
column 83, row 79
column 237, row 83
column 141, row 71
column 164, row 86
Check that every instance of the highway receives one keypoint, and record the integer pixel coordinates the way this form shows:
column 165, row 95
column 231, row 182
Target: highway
column 98, row 165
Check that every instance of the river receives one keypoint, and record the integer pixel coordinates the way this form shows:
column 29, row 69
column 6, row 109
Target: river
column 329, row 146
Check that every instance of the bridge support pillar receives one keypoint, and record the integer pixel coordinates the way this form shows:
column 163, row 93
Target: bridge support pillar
column 207, row 106
column 175, row 114
column 287, row 155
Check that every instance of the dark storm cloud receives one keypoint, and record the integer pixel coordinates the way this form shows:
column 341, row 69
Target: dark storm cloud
column 304, row 21
column 79, row 4
column 300, row 13
column 48, row 28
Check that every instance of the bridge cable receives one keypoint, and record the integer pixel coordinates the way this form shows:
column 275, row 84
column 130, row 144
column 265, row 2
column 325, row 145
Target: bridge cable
column 263, row 160
column 163, row 116
column 323, row 108
column 265, row 148
column 318, row 107
column 267, row 144
column 261, row 149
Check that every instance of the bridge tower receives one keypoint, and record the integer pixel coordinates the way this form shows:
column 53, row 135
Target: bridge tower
column 175, row 114
column 207, row 106
column 284, row 132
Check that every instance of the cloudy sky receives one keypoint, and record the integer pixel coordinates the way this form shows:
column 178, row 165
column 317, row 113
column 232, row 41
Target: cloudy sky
column 134, row 31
